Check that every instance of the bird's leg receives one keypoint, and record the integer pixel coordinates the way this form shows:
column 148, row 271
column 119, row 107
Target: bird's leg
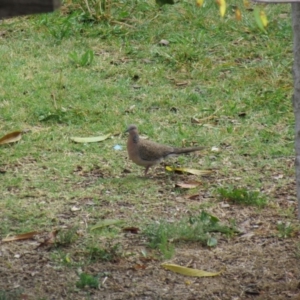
column 146, row 170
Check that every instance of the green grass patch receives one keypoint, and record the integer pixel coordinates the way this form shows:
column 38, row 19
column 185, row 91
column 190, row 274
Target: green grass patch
column 110, row 252
column 87, row 280
column 202, row 228
column 242, row 196
column 11, row 295
column 66, row 237
column 285, row 229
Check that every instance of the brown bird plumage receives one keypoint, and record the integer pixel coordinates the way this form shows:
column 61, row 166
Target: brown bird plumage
column 147, row 153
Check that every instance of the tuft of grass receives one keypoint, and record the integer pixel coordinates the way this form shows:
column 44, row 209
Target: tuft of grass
column 82, row 60
column 162, row 235
column 242, row 196
column 87, row 280
column 11, row 295
column 111, row 252
column 66, row 237
column 285, row 230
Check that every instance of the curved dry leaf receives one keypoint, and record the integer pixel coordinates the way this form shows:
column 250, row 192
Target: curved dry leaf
column 188, row 170
column 11, row 137
column 193, row 197
column 188, row 185
column 93, row 139
column 189, row 271
column 23, row 236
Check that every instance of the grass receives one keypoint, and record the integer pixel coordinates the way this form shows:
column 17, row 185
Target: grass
column 10, row 295
column 111, row 252
column 162, row 235
column 242, row 196
column 72, row 74
column 86, row 280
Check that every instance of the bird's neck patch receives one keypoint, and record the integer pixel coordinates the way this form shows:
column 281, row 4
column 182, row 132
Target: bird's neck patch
column 135, row 138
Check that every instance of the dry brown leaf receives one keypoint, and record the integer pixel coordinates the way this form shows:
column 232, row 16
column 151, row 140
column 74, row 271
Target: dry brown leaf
column 50, row 240
column 23, row 236
column 189, row 271
column 11, row 137
column 134, row 230
column 181, row 83
column 193, row 197
column 188, row 185
column 188, row 170
column 140, row 267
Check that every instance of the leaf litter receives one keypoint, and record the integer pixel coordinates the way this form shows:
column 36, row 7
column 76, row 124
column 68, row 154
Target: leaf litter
column 11, row 137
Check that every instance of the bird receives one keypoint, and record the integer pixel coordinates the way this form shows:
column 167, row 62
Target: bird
column 147, row 153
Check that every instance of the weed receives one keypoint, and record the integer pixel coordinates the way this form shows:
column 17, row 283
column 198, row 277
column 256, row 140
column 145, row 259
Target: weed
column 11, row 295
column 62, row 258
column 285, row 230
column 96, row 9
column 86, row 280
column 198, row 228
column 242, row 196
column 111, row 252
column 66, row 237
column 82, row 60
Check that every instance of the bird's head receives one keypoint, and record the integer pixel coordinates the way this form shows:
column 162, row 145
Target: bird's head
column 131, row 129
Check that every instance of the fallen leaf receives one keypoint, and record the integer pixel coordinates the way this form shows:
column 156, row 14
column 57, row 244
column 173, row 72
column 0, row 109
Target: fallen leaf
column 75, row 208
column 222, row 5
column 195, row 120
column 238, row 14
column 134, row 230
column 189, row 271
column 164, row 43
column 50, row 239
column 23, row 236
column 140, row 267
column 181, row 83
column 188, row 185
column 188, row 170
column 246, row 3
column 199, row 2
column 215, row 149
column 193, row 197
column 247, row 235
column 105, row 223
column 263, row 18
column 11, row 137
column 260, row 18
column 93, row 139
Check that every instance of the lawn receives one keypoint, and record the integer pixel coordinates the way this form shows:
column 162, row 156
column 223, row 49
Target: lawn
column 186, row 77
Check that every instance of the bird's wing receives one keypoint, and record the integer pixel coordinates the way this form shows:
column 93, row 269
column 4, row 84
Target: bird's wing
column 151, row 151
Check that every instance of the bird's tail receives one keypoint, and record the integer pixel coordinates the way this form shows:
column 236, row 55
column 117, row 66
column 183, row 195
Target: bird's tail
column 187, row 150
